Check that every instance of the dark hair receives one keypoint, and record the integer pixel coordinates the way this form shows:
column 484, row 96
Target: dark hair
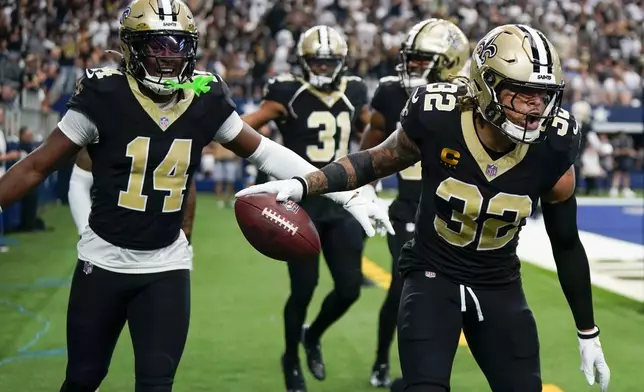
column 468, row 101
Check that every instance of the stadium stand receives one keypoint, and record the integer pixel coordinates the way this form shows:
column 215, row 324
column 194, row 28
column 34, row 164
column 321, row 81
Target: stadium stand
column 44, row 46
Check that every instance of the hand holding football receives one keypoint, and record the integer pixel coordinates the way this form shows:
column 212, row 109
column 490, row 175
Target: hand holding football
column 279, row 230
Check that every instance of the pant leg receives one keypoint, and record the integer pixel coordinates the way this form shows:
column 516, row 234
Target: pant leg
column 303, row 278
column 342, row 245
column 389, row 311
column 505, row 344
column 95, row 317
column 429, row 327
column 158, row 318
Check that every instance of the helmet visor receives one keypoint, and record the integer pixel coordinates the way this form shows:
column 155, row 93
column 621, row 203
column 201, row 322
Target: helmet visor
column 165, row 55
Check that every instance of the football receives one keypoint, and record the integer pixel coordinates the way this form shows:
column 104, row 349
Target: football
column 279, row 230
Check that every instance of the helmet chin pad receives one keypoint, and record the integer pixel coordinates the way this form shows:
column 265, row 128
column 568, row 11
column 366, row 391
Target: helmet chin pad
column 519, row 134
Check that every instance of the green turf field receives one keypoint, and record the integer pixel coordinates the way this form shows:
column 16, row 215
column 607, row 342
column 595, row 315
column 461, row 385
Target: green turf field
column 236, row 332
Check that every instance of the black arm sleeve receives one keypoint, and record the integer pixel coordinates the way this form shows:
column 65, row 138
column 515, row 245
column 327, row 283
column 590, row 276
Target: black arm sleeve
column 570, row 257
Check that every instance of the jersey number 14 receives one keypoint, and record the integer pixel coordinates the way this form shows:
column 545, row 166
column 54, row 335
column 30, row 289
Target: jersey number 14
column 170, row 176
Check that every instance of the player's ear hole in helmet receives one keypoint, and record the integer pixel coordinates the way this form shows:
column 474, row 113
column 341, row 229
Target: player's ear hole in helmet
column 159, row 43
column 433, row 50
column 322, row 52
column 516, row 76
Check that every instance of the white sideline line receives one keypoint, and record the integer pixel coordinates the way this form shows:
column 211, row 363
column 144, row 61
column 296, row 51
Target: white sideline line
column 610, row 201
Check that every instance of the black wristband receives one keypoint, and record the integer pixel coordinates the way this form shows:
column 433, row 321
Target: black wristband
column 336, row 177
column 362, row 163
column 305, row 186
column 589, row 336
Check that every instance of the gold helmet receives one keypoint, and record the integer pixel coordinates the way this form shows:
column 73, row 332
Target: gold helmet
column 322, row 52
column 433, row 50
column 159, row 43
column 519, row 58
column 582, row 111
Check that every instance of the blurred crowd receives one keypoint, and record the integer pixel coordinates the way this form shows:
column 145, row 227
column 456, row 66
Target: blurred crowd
column 46, row 44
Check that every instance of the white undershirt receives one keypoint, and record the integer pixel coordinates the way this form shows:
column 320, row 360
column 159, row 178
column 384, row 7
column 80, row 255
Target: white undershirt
column 178, row 255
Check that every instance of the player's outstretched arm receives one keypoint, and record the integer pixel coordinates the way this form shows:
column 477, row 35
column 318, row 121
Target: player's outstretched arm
column 560, row 219
column 280, row 162
column 267, row 112
column 396, row 153
column 34, row 169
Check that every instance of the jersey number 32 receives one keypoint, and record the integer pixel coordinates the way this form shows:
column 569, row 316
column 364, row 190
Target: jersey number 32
column 170, row 176
column 463, row 225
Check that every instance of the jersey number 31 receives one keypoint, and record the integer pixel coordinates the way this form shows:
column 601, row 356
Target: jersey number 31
column 170, row 176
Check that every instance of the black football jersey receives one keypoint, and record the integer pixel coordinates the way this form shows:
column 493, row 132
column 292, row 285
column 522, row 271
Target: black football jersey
column 389, row 99
column 319, row 125
column 473, row 206
column 145, row 157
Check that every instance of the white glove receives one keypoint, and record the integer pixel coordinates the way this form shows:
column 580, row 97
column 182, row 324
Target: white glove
column 363, row 210
column 370, row 193
column 593, row 363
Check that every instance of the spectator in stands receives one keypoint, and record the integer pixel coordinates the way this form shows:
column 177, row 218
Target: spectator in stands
column 227, row 172
column 4, row 158
column 591, row 169
column 624, row 156
column 29, row 220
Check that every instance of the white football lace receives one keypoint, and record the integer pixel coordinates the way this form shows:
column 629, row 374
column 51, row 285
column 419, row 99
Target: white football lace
column 278, row 219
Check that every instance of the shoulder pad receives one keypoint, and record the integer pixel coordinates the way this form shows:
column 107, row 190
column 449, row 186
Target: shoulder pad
column 438, row 97
column 201, row 73
column 283, row 78
column 564, row 136
column 94, row 78
column 389, row 80
column 281, row 88
column 352, row 78
column 428, row 108
column 354, row 81
column 92, row 89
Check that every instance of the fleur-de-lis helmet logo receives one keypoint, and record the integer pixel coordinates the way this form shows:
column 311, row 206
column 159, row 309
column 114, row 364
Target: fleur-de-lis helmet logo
column 487, row 49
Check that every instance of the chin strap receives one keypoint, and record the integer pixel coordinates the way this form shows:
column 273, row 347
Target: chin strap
column 199, row 84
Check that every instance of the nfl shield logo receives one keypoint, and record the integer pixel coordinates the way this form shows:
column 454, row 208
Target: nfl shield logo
column 291, row 206
column 491, row 170
column 164, row 122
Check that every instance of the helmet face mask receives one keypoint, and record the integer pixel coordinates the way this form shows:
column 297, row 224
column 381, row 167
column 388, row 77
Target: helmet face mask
column 322, row 53
column 516, row 76
column 159, row 47
column 522, row 110
column 433, row 50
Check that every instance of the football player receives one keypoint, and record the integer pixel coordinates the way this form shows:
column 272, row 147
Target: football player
column 487, row 158
column 144, row 126
column 317, row 114
column 433, row 51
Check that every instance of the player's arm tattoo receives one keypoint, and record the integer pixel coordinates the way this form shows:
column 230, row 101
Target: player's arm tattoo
column 189, row 216
column 396, row 153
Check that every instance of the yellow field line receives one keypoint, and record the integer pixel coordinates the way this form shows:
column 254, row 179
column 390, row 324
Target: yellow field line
column 382, row 279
